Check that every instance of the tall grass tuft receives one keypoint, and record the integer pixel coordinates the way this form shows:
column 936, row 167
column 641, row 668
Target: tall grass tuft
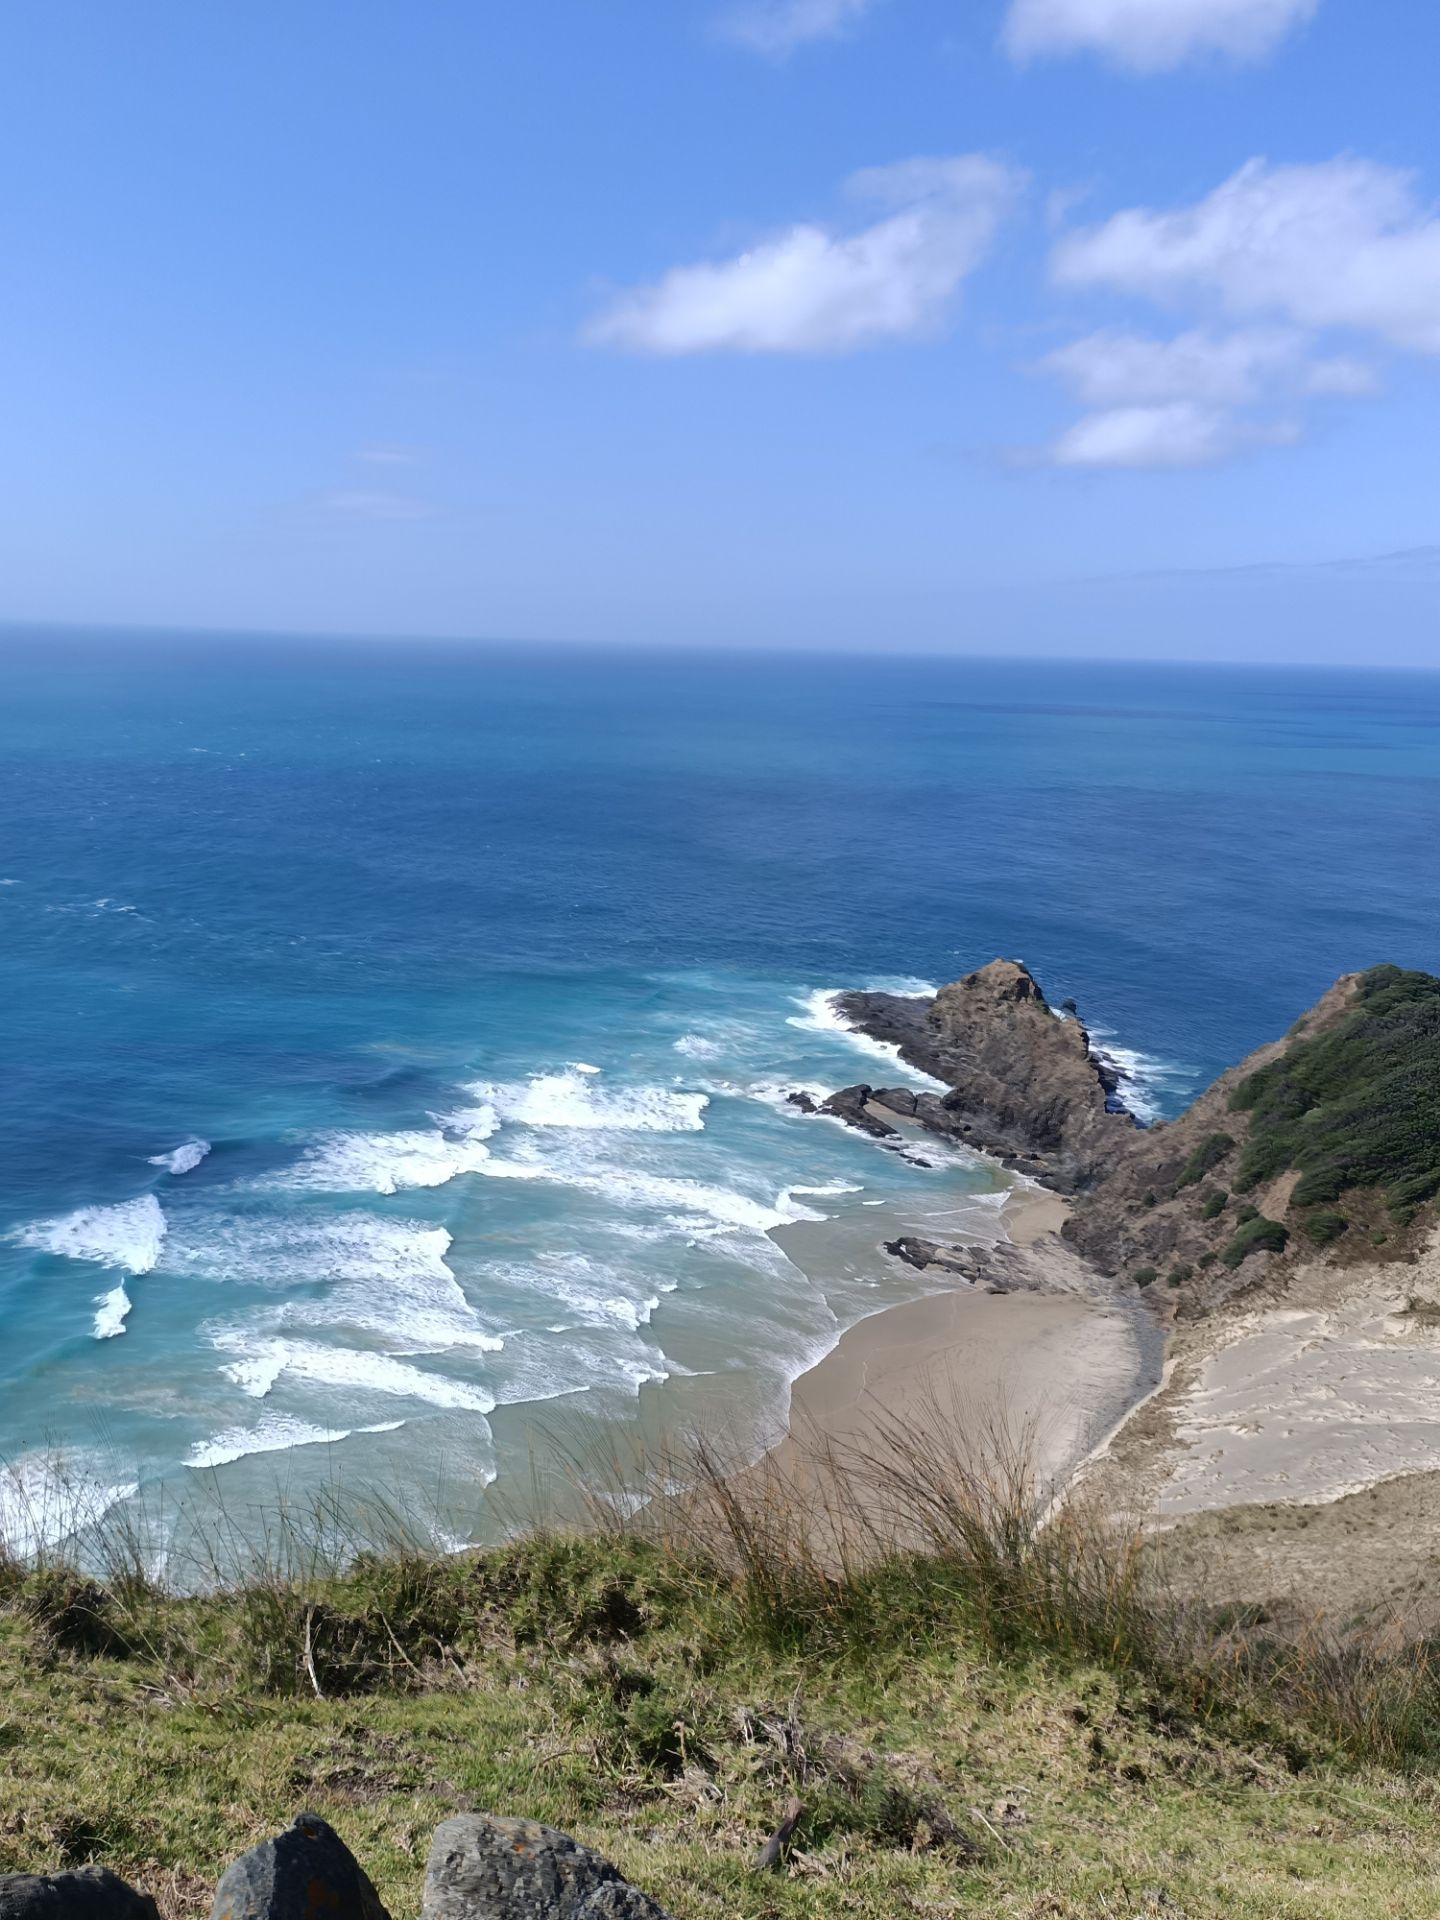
column 935, row 1531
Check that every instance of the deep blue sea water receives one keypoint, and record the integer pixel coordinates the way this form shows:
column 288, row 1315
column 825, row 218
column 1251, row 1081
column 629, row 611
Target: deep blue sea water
column 482, row 974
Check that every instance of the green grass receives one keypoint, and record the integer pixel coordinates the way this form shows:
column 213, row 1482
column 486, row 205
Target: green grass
column 981, row 1715
column 1357, row 1107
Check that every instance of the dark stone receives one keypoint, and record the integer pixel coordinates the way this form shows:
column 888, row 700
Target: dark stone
column 305, row 1873
column 851, row 1104
column 485, row 1868
column 928, row 1254
column 90, row 1893
column 1023, row 1085
column 804, row 1101
column 899, row 1100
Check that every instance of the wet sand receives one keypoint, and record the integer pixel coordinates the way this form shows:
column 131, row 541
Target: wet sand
column 1050, row 1373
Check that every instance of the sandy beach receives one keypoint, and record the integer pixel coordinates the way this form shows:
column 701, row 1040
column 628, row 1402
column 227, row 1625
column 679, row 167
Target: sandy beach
column 1050, row 1372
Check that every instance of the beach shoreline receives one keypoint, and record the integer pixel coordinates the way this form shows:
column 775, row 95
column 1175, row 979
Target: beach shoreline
column 1046, row 1376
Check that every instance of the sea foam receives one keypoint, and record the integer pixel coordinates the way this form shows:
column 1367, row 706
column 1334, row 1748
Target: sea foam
column 182, row 1159
column 591, row 1292
column 260, row 1362
column 539, row 1368
column 274, row 1433
column 696, row 1205
column 128, row 1236
column 413, row 1309
column 1149, row 1086
column 46, row 1500
column 697, row 1046
column 302, row 1249
column 573, row 1099
column 110, row 1311
column 382, row 1162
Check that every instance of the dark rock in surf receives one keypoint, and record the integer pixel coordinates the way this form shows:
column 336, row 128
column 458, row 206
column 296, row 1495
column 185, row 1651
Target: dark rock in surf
column 1025, row 1085
column 852, row 1105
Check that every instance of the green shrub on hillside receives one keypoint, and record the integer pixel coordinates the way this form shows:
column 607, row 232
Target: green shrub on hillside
column 1256, row 1236
column 1206, row 1157
column 1215, row 1204
column 1358, row 1106
column 1322, row 1228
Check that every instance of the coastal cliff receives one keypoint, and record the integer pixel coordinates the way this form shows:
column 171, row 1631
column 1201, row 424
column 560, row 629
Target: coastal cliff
column 1025, row 1084
column 1285, row 1234
column 1325, row 1142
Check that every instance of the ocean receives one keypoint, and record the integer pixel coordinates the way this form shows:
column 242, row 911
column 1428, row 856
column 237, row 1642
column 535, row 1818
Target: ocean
column 394, row 1039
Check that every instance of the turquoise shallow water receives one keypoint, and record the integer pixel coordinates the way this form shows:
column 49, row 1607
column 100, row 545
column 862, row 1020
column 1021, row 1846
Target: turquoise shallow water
column 394, row 1039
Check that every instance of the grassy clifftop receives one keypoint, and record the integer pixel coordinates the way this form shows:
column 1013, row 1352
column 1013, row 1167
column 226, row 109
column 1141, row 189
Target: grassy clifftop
column 1004, row 1722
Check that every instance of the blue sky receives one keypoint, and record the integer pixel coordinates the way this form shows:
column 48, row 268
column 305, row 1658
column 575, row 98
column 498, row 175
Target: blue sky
column 1051, row 326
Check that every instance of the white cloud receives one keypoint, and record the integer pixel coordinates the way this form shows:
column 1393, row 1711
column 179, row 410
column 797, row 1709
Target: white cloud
column 777, row 27
column 812, row 290
column 1152, row 36
column 1346, row 243
column 1189, row 401
column 1112, row 368
column 1181, row 433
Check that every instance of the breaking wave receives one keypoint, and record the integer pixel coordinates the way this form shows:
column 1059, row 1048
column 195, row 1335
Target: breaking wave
column 382, row 1162
column 259, row 1362
column 572, row 1099
column 303, row 1248
column 110, row 1311
column 182, row 1159
column 275, row 1433
column 128, row 1236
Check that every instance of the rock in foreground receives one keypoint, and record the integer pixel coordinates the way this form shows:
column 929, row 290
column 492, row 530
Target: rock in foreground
column 485, row 1868
column 91, row 1893
column 306, row 1873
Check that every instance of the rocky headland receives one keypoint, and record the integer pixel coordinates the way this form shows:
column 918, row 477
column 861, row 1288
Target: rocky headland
column 1281, row 1233
column 1326, row 1140
column 1025, row 1084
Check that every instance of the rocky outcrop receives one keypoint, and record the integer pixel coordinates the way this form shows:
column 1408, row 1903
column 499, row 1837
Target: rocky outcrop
column 480, row 1868
column 1200, row 1204
column 90, row 1893
column 305, row 1873
column 853, row 1106
column 1025, row 1084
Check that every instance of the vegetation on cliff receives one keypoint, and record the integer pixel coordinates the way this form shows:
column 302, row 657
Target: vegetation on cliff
column 1332, row 1132
column 1357, row 1106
